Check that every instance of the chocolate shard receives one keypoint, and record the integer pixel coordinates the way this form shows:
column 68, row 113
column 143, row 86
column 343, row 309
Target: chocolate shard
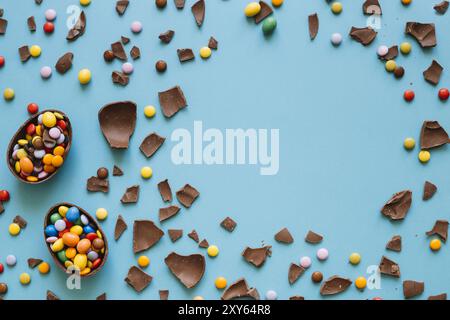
column 33, row 262
column 2, row 208
column 121, row 6
column 295, row 271
column 168, row 212
column 95, row 184
column 228, row 224
column 284, row 236
column 265, row 11
column 117, row 122
column 442, row 296
column 101, row 297
column 204, row 244
column 313, row 22
column 398, row 206
column 391, row 55
column 24, row 53
column 167, row 36
column 175, row 234
column 395, row 244
column 165, row 190
column 120, row 227
column 429, row 189
column 38, row 2
column 117, row 172
column 120, row 78
column 371, row 7
column 433, row 73
column 187, row 195
column 20, row 221
column 424, row 33
column 334, row 285
column 257, row 256
column 119, row 51
column 124, row 40
column 135, row 53
column 389, row 267
column 188, row 269
column 64, row 63
column 442, row 7
column 365, row 36
column 297, row 298
column 432, row 135
column 179, row 4
column 172, row 101
column 145, row 235
column 138, row 279
column 78, row 29
column 185, row 54
column 412, row 288
column 51, row 296
column 3, row 26
column 213, row 43
column 240, row 289
column 163, row 294
column 198, row 10
column 151, row 144
column 313, row 238
column 31, row 24
column 440, row 228
column 194, row 236
column 131, row 195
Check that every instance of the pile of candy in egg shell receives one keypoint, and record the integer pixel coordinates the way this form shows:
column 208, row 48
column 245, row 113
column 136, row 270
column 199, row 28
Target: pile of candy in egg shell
column 40, row 152
column 74, row 240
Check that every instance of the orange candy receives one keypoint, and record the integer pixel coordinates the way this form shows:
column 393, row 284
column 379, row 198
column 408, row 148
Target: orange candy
column 47, row 159
column 70, row 239
column 57, row 161
column 26, row 165
column 83, row 246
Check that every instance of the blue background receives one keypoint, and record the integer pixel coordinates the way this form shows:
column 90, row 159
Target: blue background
column 342, row 121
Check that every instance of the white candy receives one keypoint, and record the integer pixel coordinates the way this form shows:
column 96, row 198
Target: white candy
column 84, row 220
column 336, row 39
column 51, row 239
column 382, row 51
column 11, row 260
column 271, row 295
column 60, row 225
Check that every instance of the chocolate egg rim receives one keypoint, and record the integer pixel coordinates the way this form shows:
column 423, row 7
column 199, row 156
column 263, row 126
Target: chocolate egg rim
column 54, row 209
column 21, row 131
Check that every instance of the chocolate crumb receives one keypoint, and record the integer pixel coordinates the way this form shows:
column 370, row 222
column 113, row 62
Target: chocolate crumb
column 313, row 238
column 101, row 297
column 151, row 144
column 188, row 270
column 228, row 224
column 442, row 296
column 24, row 53
column 135, row 53
column 194, row 236
column 240, row 289
column 313, row 22
column 187, row 195
column 167, row 36
column 20, row 221
column 429, row 189
column 179, row 4
column 124, row 40
column 163, row 294
column 257, row 256
column 395, row 244
column 165, row 190
column 31, row 24
column 117, row 172
column 33, row 262
column 433, row 73
column 175, row 234
column 334, row 285
column 131, row 195
column 265, row 11
column 64, row 63
column 365, row 36
column 120, row 227
column 168, row 212
column 441, row 7
column 412, row 288
column 203, row 244
column 95, row 184
column 391, row 55
column 424, row 33
column 432, row 135
column 119, row 51
column 78, row 29
column 3, row 26
column 198, row 10
column 121, row 6
column 389, row 267
column 185, row 54
column 398, row 206
column 120, row 78
column 295, row 271
column 297, row 298
column 145, row 235
column 284, row 236
column 172, row 101
column 372, row 7
column 440, row 228
column 213, row 43
column 138, row 279
column 51, row 296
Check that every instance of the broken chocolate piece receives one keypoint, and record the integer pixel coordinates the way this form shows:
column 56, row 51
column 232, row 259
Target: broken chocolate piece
column 51, row 296
column 95, row 184
column 172, row 101
column 295, row 271
column 167, row 36
column 432, row 135
column 391, row 55
column 429, row 189
column 433, row 73
column 165, row 190
column 188, row 269
column 334, row 285
column 257, row 256
column 365, row 36
column 440, row 228
column 442, row 296
column 240, row 289
column 3, row 25
column 64, row 63
column 168, row 212
column 151, row 144
column 203, row 244
column 131, row 195
column 194, row 236
column 179, row 4
column 398, row 206
column 2, row 208
column 101, row 297
column 120, row 78
column 442, row 7
column 124, row 40
column 284, row 236
column 145, row 235
column 412, row 288
column 187, row 195
column 138, row 279
column 78, row 29
column 117, row 172
column 213, row 43
column 119, row 51
column 371, row 7
column 135, row 53
column 33, row 263
column 24, row 53
column 175, row 234
column 163, row 294
column 389, row 267
column 265, row 11
column 38, row 2
column 313, row 238
column 198, row 10
column 424, row 33
column 313, row 22
column 228, row 224
column 297, row 298
column 121, row 6
column 20, row 221
column 31, row 24
column 395, row 244
column 120, row 227
column 118, row 121
column 185, row 54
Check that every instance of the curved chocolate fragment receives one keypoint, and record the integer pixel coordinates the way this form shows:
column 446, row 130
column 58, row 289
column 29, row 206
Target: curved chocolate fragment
column 240, row 289
column 297, row 298
column 432, row 135
column 118, row 121
column 78, row 29
column 33, row 263
column 31, row 24
column 424, row 33
column 391, row 55
column 120, row 227
column 166, row 36
column 3, row 26
column 284, row 236
column 101, row 297
column 117, row 172
column 433, row 73
column 194, row 236
column 228, row 224
column 204, row 244
column 429, row 189
column 295, row 271
column 168, row 212
column 395, row 244
column 440, row 228
column 64, row 63
column 179, row 3
column 95, row 184
column 124, row 40
column 121, row 6
column 441, row 7
column 265, row 11
column 365, row 36
column 24, row 53
column 118, row 50
column 334, row 285
column 371, row 7
column 20, row 221
column 313, row 22
column 442, row 296
column 175, row 234
column 313, row 238
column 135, row 53
column 51, row 296
column 412, row 288
column 163, row 294
column 185, row 54
column 187, row 195
column 145, row 235
column 172, row 101
column 151, row 144
column 213, row 43
column 120, row 78
column 131, row 195
column 389, row 267
column 188, row 269
column 198, row 10
column 138, row 279
column 257, row 256
column 165, row 190
column 398, row 206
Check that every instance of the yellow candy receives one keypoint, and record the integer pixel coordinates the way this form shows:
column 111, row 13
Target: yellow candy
column 277, row 3
column 76, row 230
column 8, row 94
column 435, row 244
column 409, row 143
column 143, row 261
column 49, row 119
column 360, row 283
column 21, row 153
column 14, row 229
column 198, row 298
column 149, row 111
column 252, row 9
column 32, row 179
column 85, row 2
column 57, row 161
column 58, row 116
column 22, row 142
column 84, row 76
column 80, row 261
column 39, row 130
column 48, row 159
column 58, row 245
column 24, row 278
column 17, row 166
column 85, row 271
column 213, row 251
column 205, row 52
column 355, row 258
column 146, row 172
column 89, row 265
column 44, row 268
column 62, row 210
column 99, row 234
column 35, row 51
column 26, row 165
column 390, row 66
column 68, row 264
column 336, row 7
column 405, row 48
column 59, row 151
column 101, row 214
column 424, row 156
column 406, row 2
column 71, row 253
column 220, row 283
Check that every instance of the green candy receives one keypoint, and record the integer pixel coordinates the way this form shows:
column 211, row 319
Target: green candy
column 55, row 217
column 269, row 25
column 62, row 256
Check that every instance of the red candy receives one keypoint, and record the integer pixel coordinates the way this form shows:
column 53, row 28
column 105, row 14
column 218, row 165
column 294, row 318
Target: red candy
column 31, row 129
column 409, row 95
column 2, row 268
column 91, row 236
column 96, row 263
column 33, row 108
column 444, row 94
column 49, row 27
column 2, row 61
column 68, row 223
column 4, row 195
column 62, row 124
column 61, row 233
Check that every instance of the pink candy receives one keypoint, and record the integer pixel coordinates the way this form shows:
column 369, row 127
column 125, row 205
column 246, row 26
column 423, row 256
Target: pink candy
column 305, row 262
column 46, row 72
column 50, row 14
column 127, row 68
column 322, row 254
column 136, row 26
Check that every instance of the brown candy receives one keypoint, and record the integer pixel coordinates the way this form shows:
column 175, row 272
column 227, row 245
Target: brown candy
column 102, row 173
column 161, row 66
column 317, row 277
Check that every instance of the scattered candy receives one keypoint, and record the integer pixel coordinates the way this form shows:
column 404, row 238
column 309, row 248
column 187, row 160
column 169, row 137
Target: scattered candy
column 146, row 172
column 220, row 283
column 360, row 283
column 269, row 25
column 336, row 7
column 143, row 261
column 390, row 65
column 277, row 3
column 136, row 26
column 336, row 39
column 101, row 214
column 161, row 66
column 50, row 14
column 424, row 156
column 2, row 268
column 382, row 50
column 271, row 295
column 127, row 68
column 3, row 288
column 44, row 268
column 317, row 277
column 35, row 51
column 14, row 229
column 322, row 254
column 161, row 3
column 46, row 72
column 2, row 61
column 85, row 2
column 409, row 95
column 399, row 72
column 252, row 9
column 435, row 244
column 198, row 298
column 444, row 94
column 49, row 27
column 406, row 2
column 305, row 262
column 84, row 76
column 212, row 251
column 149, row 111
column 205, row 52
column 355, row 258
column 4, row 196
column 405, row 47
column 409, row 143
column 8, row 94
column 11, row 260
column 25, row 278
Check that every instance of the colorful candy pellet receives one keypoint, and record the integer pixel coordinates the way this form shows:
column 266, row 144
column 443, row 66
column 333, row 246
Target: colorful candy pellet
column 409, row 143
column 25, row 278
column 84, row 76
column 146, row 172
column 424, row 156
column 14, row 229
column 101, row 213
column 205, row 52
column 44, row 268
column 435, row 244
column 252, row 9
column 269, row 25
column 360, row 283
column 149, row 111
column 271, row 295
column 213, row 251
column 8, row 94
column 143, row 261
column 220, row 283
column 355, row 258
column 322, row 254
column 444, row 94
column 336, row 7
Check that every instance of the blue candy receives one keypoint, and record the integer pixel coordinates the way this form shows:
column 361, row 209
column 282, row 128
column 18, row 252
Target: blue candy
column 88, row 229
column 73, row 214
column 51, row 231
